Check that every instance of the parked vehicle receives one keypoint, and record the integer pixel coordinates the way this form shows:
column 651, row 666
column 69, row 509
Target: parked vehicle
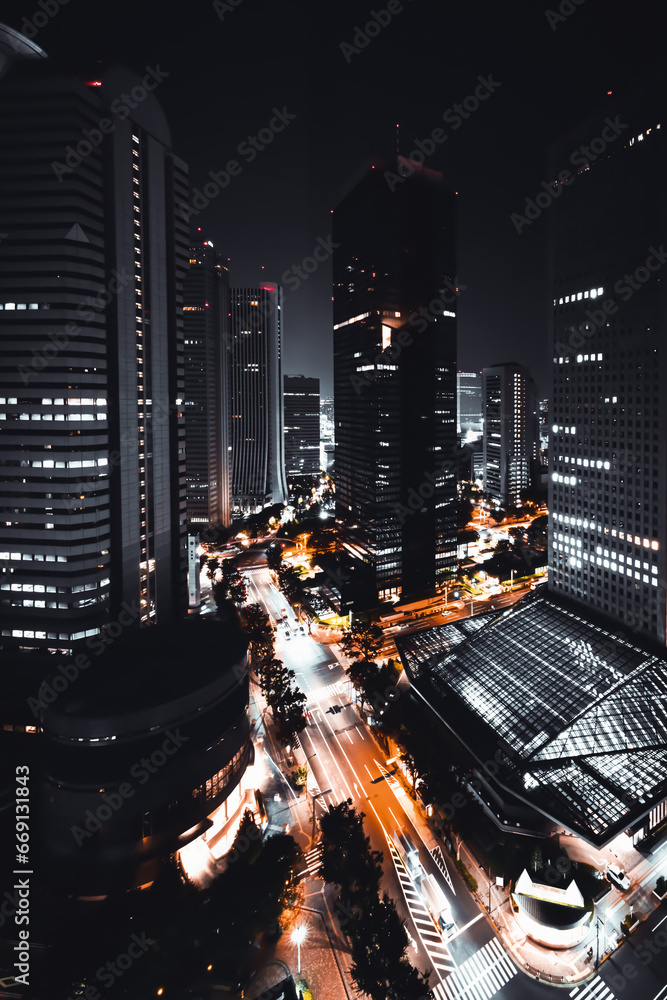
column 617, row 877
column 436, row 903
column 408, row 854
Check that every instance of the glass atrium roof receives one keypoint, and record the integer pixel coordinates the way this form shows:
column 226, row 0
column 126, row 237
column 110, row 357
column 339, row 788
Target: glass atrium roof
column 579, row 713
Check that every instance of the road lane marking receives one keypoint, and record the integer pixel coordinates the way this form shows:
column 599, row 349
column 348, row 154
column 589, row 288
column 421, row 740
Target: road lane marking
column 439, row 859
column 466, row 926
column 483, row 974
column 657, row 925
column 434, row 945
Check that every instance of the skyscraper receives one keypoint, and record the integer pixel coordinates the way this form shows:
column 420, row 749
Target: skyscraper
column 206, row 406
column 302, row 425
column 91, row 337
column 395, row 381
column 571, row 682
column 256, row 398
column 608, row 459
column 469, row 394
column 508, row 431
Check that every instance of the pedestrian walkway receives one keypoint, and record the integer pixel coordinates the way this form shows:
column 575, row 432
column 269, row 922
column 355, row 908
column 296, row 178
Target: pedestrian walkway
column 480, row 977
column 324, row 693
column 312, row 862
column 597, row 990
column 320, row 964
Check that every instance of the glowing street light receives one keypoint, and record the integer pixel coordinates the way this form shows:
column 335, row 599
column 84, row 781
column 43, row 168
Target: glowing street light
column 298, row 936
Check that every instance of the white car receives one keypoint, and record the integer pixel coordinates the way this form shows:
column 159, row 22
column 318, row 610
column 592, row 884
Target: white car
column 617, row 877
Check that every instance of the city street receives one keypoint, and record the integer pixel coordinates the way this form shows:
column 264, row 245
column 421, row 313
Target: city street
column 346, row 762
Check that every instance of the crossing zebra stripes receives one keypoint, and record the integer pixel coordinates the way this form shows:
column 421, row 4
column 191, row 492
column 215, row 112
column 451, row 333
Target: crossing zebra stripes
column 312, row 860
column 595, row 990
column 478, row 978
column 435, row 947
column 328, row 691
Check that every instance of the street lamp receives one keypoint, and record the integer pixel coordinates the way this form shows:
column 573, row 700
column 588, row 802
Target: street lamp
column 298, row 936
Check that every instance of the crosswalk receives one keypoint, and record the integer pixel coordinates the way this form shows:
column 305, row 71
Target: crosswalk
column 478, row 978
column 312, row 861
column 325, row 693
column 595, row 990
column 435, row 947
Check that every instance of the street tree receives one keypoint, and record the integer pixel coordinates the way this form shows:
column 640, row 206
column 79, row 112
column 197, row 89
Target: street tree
column 255, row 623
column 348, row 859
column 379, row 964
column 365, row 637
column 274, row 557
column 230, row 586
column 286, row 701
column 212, row 566
column 364, row 675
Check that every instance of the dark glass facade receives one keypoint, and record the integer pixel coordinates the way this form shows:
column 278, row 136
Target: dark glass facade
column 256, row 398
column 302, row 425
column 206, row 405
column 395, row 383
column 92, row 450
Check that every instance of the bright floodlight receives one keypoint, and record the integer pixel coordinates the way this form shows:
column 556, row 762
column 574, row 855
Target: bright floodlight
column 298, row 935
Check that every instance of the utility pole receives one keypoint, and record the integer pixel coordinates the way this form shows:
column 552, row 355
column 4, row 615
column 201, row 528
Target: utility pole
column 597, row 941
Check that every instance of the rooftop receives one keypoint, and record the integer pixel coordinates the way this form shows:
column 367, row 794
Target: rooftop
column 578, row 714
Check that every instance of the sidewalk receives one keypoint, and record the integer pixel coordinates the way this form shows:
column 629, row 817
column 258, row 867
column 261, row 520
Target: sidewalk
column 287, row 810
column 320, row 965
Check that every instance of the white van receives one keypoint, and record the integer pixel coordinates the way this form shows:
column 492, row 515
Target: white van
column 437, row 904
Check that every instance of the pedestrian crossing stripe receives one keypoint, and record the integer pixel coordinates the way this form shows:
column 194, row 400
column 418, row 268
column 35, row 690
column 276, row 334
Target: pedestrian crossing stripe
column 312, row 861
column 595, row 990
column 435, row 948
column 330, row 691
column 480, row 977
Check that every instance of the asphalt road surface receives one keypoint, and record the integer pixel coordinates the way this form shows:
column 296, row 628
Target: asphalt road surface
column 346, row 763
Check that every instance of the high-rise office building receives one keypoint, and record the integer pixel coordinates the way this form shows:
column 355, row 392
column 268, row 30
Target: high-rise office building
column 91, row 341
column 470, row 418
column 395, row 382
column 206, row 405
column 508, row 431
column 608, row 459
column 327, row 435
column 570, row 681
column 302, row 425
column 256, row 398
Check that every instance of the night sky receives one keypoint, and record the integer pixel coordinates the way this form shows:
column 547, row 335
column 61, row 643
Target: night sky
column 230, row 67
